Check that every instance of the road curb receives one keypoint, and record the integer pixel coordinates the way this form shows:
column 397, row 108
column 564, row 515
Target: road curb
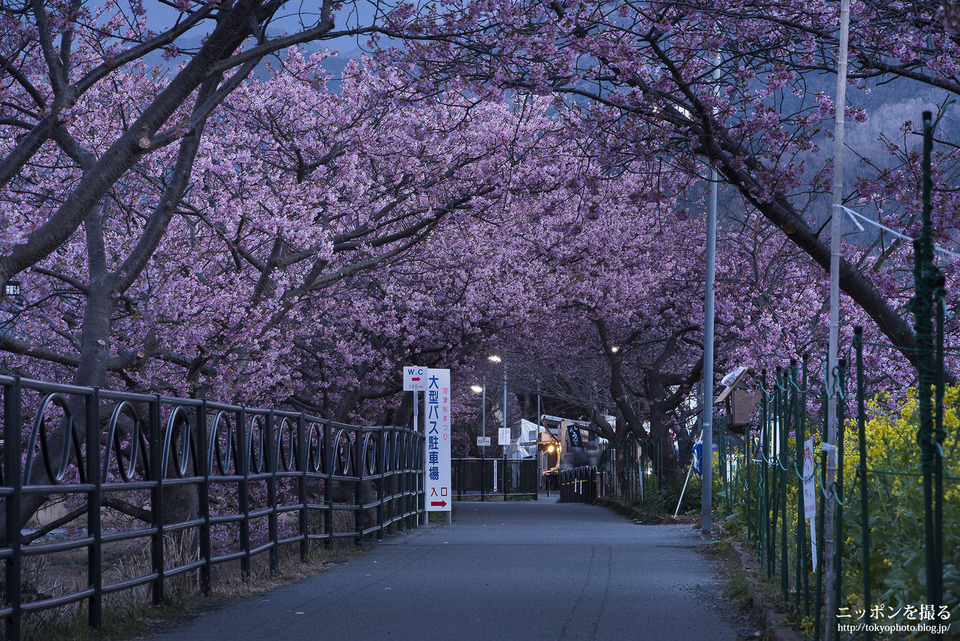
column 775, row 621
column 636, row 514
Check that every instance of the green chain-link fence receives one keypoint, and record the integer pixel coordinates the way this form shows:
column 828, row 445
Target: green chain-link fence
column 896, row 567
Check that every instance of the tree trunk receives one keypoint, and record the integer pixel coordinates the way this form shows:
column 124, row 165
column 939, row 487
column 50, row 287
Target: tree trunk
column 664, row 454
column 626, row 464
column 94, row 358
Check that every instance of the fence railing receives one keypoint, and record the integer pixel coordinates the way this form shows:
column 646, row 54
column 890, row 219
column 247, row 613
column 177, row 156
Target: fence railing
column 228, row 483
column 579, row 485
column 630, row 472
column 878, row 505
column 499, row 477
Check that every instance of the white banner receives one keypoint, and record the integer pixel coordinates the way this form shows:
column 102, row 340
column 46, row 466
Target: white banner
column 503, row 436
column 810, row 496
column 813, row 544
column 437, row 426
column 809, row 483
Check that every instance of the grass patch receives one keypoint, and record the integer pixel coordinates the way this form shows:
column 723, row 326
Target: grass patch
column 738, row 589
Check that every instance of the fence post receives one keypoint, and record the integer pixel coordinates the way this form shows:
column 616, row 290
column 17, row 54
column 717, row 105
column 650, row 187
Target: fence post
column 821, row 529
column 360, row 456
column 774, row 458
column 422, row 478
column 156, row 500
column 593, row 484
column 483, row 479
column 205, row 460
column 802, row 420
column 408, row 504
column 762, row 470
column 243, row 492
column 939, row 437
column 303, row 462
column 841, row 433
column 13, row 479
column 94, row 500
column 798, row 437
column 785, row 413
column 747, row 456
column 504, row 474
column 380, row 470
column 419, row 479
column 271, row 452
column 328, row 482
column 862, row 471
column 717, row 434
column 458, row 475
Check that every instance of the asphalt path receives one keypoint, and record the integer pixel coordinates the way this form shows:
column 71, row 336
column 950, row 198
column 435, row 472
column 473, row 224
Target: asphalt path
column 503, row 571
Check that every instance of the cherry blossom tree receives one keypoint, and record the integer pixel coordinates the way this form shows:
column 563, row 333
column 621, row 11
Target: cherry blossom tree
column 731, row 84
column 58, row 62
column 201, row 229
column 263, row 280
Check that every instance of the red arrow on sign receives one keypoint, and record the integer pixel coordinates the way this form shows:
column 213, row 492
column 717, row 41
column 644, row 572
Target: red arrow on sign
column 414, row 378
column 438, row 504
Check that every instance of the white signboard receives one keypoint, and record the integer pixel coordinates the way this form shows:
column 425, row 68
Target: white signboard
column 503, row 436
column 809, row 484
column 414, row 379
column 437, row 426
column 810, row 497
column 483, row 441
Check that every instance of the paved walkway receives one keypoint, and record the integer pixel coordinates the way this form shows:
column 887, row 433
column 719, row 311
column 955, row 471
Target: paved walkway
column 513, row 571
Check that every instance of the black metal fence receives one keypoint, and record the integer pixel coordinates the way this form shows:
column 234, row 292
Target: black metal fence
column 228, row 483
column 631, row 472
column 579, row 485
column 500, row 477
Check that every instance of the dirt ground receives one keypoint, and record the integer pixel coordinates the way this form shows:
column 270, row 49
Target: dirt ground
column 60, row 573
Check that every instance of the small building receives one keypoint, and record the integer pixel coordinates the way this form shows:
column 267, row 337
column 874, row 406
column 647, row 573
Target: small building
column 565, row 443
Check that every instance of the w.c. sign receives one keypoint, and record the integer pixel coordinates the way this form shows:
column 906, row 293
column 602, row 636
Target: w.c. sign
column 414, row 379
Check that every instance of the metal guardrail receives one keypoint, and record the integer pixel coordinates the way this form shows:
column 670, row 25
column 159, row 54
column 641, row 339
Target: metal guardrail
column 579, row 485
column 267, row 478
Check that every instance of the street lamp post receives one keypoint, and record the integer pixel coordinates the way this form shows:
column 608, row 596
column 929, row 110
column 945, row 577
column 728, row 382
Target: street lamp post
column 536, row 451
column 503, row 408
column 482, row 390
column 498, row 359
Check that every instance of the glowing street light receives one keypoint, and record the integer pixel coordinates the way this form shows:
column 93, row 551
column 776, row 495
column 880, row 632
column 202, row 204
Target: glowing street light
column 482, row 390
column 494, row 358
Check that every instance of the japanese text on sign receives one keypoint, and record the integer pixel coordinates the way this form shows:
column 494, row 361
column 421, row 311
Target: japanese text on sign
column 437, row 425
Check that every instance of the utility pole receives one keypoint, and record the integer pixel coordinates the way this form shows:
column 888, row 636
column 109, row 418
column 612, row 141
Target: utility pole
column 706, row 420
column 830, row 446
